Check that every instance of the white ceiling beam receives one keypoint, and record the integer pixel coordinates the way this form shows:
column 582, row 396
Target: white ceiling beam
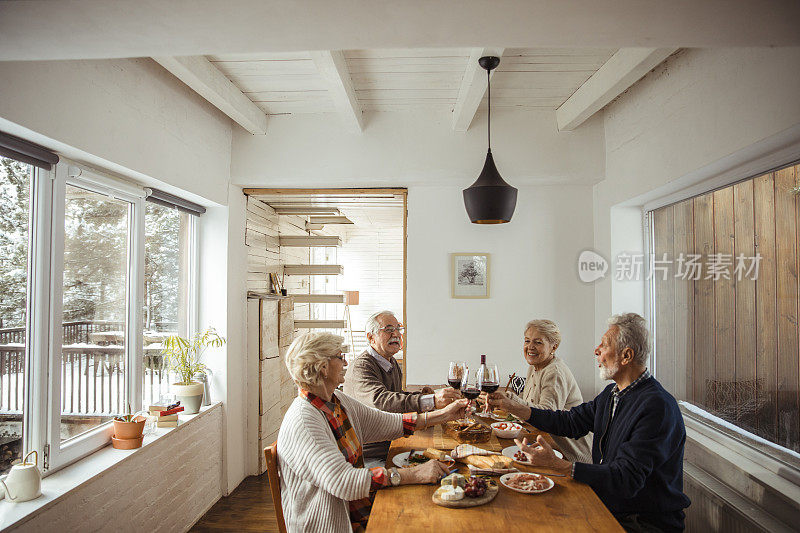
column 621, row 71
column 472, row 89
column 333, row 68
column 206, row 80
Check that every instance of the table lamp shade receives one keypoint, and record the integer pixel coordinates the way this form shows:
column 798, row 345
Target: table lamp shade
column 350, row 297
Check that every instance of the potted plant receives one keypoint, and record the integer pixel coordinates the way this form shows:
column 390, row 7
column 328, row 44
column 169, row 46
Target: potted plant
column 182, row 356
column 128, row 431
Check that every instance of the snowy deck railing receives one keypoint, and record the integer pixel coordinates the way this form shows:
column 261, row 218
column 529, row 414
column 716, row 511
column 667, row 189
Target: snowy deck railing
column 92, row 374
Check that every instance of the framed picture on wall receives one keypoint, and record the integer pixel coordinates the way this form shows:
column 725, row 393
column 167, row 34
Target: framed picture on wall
column 469, row 273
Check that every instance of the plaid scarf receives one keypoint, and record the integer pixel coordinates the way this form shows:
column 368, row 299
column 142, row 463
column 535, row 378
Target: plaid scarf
column 350, row 446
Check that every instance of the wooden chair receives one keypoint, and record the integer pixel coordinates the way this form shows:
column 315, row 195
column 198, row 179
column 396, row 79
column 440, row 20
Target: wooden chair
column 271, row 457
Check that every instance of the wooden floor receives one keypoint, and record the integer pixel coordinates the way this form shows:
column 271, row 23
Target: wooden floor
column 249, row 508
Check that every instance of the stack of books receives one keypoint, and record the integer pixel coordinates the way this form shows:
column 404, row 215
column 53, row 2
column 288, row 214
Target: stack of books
column 166, row 415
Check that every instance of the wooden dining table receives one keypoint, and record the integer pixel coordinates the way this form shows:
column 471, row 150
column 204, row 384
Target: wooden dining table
column 569, row 506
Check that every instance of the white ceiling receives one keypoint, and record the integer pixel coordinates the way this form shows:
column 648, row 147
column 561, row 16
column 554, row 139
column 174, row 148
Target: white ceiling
column 82, row 29
column 410, row 79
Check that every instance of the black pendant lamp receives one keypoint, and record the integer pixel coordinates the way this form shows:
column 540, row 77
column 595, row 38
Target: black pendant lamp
column 490, row 200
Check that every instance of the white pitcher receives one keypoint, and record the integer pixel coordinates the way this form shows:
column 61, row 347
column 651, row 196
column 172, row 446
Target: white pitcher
column 23, row 482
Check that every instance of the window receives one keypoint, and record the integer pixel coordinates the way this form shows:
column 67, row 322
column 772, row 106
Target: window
column 726, row 317
column 15, row 185
column 168, row 279
column 92, row 278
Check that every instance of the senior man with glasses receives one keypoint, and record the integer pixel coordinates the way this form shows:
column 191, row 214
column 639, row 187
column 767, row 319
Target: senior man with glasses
column 375, row 378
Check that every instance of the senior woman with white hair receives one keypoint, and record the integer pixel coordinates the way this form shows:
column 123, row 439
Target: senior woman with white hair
column 324, row 485
column 549, row 385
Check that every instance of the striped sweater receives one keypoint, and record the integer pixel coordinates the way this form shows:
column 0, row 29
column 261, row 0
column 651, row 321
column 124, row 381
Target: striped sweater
column 316, row 480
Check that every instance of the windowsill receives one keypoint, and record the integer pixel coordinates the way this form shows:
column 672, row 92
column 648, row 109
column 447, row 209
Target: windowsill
column 779, row 460
column 57, row 485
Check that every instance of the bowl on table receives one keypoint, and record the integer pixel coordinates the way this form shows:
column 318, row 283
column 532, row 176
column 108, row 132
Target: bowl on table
column 507, row 430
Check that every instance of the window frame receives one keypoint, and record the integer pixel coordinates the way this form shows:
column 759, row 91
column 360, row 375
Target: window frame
column 750, row 170
column 59, row 454
column 44, row 306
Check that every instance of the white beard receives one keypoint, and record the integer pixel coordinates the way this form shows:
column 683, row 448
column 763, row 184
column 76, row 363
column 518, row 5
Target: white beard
column 608, row 372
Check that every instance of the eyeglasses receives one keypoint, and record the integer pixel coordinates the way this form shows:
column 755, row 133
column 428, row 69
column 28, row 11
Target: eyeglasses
column 340, row 356
column 391, row 329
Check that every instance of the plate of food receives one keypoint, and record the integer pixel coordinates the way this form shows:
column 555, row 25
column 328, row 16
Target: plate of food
column 417, row 457
column 458, row 491
column 527, row 483
column 515, row 453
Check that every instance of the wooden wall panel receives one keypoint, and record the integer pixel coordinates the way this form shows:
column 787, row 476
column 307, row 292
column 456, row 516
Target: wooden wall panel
column 664, row 287
column 766, row 341
column 739, row 335
column 724, row 305
column 683, row 244
column 704, row 304
column 786, row 285
column 744, row 246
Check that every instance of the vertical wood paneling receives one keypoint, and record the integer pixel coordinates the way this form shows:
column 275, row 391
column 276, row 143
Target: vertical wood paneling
column 744, row 245
column 766, row 341
column 683, row 244
column 704, row 304
column 741, row 340
column 724, row 306
column 665, row 293
column 786, row 283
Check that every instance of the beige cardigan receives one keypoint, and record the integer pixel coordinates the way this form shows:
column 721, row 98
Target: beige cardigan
column 316, row 480
column 554, row 387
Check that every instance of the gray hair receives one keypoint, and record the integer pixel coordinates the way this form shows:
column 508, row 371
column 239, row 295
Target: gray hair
column 309, row 354
column 373, row 325
column 632, row 333
column 547, row 328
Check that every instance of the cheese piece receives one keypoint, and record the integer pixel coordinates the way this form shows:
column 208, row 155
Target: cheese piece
column 451, row 494
column 455, row 480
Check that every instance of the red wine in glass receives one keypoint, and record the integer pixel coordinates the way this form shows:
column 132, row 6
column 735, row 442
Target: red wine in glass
column 455, row 374
column 490, row 386
column 470, row 393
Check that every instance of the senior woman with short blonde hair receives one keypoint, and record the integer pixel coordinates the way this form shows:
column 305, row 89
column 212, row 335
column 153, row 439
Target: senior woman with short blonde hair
column 549, row 385
column 324, row 485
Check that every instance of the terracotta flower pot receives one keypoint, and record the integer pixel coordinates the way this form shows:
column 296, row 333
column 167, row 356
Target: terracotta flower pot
column 129, row 430
column 127, row 444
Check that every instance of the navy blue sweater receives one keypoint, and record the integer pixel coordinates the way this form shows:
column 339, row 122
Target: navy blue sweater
column 637, row 459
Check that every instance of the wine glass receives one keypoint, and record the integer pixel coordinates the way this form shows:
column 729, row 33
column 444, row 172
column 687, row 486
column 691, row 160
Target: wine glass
column 469, row 386
column 456, row 373
column 488, row 381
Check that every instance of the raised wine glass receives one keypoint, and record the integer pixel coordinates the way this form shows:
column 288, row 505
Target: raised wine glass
column 456, row 373
column 488, row 380
column 469, row 387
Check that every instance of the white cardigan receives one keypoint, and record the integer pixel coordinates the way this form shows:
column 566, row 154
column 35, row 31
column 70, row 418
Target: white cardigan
column 316, row 480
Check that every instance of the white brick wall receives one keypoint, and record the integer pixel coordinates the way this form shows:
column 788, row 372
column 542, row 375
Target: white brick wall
column 165, row 486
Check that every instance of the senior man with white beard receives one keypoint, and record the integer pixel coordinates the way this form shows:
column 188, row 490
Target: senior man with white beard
column 637, row 453
column 375, row 378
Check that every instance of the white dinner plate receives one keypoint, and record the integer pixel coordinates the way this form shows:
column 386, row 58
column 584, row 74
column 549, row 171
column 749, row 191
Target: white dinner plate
column 511, row 450
column 506, row 477
column 401, row 460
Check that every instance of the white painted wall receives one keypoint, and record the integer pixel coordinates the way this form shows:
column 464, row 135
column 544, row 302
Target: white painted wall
column 403, row 149
column 699, row 115
column 223, row 305
column 533, row 274
column 125, row 115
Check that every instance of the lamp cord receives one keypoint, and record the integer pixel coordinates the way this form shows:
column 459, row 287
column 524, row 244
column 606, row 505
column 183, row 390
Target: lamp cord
column 489, row 121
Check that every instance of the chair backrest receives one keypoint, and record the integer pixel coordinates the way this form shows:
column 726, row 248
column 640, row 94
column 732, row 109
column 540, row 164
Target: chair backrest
column 271, row 457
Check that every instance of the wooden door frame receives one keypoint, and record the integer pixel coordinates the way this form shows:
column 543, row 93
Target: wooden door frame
column 403, row 191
